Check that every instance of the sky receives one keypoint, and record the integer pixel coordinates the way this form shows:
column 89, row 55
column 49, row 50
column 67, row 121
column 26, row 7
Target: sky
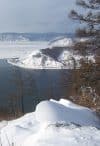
column 36, row 16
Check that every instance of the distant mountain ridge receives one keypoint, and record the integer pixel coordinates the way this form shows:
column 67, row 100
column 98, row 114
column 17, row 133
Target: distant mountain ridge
column 31, row 36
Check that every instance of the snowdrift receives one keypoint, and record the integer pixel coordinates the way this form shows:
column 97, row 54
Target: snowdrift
column 56, row 123
column 67, row 112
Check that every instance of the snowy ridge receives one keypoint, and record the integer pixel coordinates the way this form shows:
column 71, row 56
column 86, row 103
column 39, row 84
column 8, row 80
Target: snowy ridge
column 56, row 123
column 63, row 111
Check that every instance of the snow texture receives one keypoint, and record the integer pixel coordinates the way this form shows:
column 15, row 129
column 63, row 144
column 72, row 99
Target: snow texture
column 56, row 123
column 68, row 112
column 37, row 60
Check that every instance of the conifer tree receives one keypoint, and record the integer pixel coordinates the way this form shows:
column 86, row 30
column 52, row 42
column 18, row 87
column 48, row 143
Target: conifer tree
column 89, row 73
column 90, row 21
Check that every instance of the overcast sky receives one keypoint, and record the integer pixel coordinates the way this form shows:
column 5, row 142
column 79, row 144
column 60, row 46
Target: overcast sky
column 36, row 15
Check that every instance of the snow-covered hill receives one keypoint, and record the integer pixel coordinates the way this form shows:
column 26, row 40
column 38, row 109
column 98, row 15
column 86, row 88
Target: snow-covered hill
column 42, row 55
column 56, row 123
column 37, row 60
column 40, row 60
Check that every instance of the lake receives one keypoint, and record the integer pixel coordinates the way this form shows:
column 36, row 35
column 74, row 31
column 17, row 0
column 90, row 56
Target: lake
column 22, row 89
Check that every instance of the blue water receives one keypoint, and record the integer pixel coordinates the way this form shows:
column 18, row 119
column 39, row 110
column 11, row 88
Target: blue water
column 27, row 86
column 32, row 85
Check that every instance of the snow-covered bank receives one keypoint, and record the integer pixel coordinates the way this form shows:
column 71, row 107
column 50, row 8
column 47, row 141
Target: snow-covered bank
column 56, row 123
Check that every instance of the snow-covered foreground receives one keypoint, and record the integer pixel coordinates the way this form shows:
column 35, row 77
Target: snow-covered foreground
column 54, row 123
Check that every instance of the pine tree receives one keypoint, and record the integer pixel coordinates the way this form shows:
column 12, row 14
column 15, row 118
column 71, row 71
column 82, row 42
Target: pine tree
column 91, row 22
column 89, row 73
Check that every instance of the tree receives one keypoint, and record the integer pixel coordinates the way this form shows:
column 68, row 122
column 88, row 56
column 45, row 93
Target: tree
column 91, row 22
column 89, row 73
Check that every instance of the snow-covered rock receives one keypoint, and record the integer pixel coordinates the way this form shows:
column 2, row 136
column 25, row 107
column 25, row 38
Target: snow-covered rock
column 37, row 60
column 67, row 59
column 56, row 123
column 70, row 59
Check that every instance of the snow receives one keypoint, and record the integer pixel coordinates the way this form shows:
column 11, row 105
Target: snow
column 19, row 49
column 63, row 136
column 67, row 113
column 54, row 123
column 71, row 104
column 67, row 59
column 28, row 54
column 37, row 60
column 70, row 60
column 62, row 42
